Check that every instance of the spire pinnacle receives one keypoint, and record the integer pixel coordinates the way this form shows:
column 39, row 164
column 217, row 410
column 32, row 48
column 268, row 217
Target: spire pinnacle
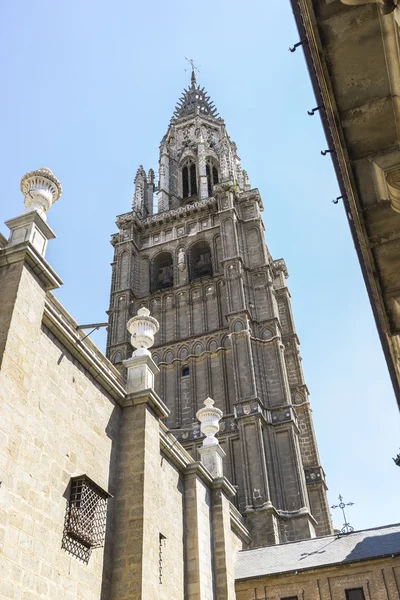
column 194, row 99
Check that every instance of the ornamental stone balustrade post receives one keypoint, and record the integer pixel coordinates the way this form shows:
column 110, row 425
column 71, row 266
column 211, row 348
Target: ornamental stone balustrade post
column 140, row 367
column 40, row 189
column 211, row 453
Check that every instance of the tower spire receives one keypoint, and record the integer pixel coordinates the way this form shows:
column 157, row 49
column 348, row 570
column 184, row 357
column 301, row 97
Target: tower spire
column 194, row 99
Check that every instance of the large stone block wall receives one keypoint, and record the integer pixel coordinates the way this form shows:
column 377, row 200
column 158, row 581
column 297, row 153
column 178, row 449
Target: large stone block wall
column 379, row 580
column 56, row 422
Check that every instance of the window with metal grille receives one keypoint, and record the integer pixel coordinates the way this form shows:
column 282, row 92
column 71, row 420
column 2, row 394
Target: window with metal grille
column 86, row 514
column 355, row 594
column 290, row 598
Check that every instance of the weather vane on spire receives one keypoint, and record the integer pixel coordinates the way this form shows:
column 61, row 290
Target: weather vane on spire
column 194, row 69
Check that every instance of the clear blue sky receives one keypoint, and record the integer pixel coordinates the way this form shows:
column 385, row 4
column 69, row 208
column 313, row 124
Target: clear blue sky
column 88, row 91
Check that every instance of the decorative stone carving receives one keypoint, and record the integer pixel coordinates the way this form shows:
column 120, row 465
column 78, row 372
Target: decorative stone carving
column 40, row 189
column 209, row 418
column 393, row 185
column 225, row 186
column 280, row 265
column 181, row 260
column 387, row 6
column 313, row 475
column 142, row 328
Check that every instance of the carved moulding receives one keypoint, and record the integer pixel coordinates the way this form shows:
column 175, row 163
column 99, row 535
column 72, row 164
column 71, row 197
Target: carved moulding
column 393, row 185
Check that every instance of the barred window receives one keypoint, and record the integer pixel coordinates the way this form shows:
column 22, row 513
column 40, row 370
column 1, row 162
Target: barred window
column 85, row 519
column 355, row 594
column 290, row 598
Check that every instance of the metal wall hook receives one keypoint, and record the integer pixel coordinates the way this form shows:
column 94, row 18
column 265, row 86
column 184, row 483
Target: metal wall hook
column 314, row 110
column 337, row 199
column 293, row 49
column 325, row 152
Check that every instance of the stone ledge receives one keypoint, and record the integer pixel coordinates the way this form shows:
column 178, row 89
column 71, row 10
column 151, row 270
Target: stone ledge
column 63, row 327
column 147, row 397
column 38, row 265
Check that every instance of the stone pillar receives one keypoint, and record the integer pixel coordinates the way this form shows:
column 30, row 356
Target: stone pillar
column 24, row 255
column 135, row 571
column 40, row 189
column 149, row 192
column 203, row 186
column 163, row 188
column 211, row 453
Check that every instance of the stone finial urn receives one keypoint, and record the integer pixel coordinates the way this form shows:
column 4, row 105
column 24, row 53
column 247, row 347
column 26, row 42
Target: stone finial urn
column 209, row 418
column 40, row 189
column 142, row 328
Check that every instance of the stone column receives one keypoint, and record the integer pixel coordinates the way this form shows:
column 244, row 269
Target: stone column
column 41, row 189
column 135, row 570
column 24, row 255
column 163, row 188
column 211, row 453
column 201, row 153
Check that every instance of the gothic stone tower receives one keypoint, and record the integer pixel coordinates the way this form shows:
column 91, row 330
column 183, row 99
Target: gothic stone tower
column 201, row 265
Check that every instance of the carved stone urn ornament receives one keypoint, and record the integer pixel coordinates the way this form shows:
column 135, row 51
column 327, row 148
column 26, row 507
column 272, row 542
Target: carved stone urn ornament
column 40, row 189
column 142, row 328
column 209, row 418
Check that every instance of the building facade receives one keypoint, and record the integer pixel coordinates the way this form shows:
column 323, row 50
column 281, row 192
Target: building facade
column 113, row 484
column 358, row 101
column 202, row 268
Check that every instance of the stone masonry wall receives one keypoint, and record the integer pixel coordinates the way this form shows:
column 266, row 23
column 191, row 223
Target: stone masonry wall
column 56, row 423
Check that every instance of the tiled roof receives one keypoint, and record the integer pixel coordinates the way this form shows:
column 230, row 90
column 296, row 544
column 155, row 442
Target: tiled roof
column 318, row 552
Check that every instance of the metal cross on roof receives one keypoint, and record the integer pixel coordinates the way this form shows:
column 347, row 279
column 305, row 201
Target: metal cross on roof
column 194, row 69
column 347, row 528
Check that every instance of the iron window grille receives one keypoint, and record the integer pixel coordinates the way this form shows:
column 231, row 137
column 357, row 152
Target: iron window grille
column 86, row 515
column 355, row 594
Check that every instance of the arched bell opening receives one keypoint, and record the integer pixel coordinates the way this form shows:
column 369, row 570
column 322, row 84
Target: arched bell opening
column 200, row 264
column 162, row 272
column 189, row 180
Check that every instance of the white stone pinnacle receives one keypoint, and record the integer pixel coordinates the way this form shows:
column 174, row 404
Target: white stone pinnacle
column 40, row 189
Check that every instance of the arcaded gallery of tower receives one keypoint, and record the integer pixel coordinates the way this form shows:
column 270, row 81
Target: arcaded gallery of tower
column 184, row 465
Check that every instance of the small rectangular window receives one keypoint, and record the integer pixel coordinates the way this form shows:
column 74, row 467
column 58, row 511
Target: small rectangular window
column 86, row 512
column 355, row 594
column 290, row 598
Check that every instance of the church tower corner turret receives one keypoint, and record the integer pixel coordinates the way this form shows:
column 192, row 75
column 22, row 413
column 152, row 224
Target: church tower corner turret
column 202, row 268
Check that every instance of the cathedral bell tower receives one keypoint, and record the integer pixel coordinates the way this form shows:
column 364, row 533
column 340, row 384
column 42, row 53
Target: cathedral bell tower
column 202, row 268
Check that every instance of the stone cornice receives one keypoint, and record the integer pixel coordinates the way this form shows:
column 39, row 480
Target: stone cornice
column 64, row 328
column 169, row 215
column 38, row 265
column 237, row 524
column 147, row 397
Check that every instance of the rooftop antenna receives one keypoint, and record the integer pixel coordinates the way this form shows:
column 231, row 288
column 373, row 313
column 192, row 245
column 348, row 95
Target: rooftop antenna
column 194, row 69
column 347, row 528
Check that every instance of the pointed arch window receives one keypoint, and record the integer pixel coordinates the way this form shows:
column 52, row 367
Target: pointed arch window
column 189, row 179
column 212, row 175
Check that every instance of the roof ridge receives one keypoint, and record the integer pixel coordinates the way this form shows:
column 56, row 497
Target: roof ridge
column 322, row 537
